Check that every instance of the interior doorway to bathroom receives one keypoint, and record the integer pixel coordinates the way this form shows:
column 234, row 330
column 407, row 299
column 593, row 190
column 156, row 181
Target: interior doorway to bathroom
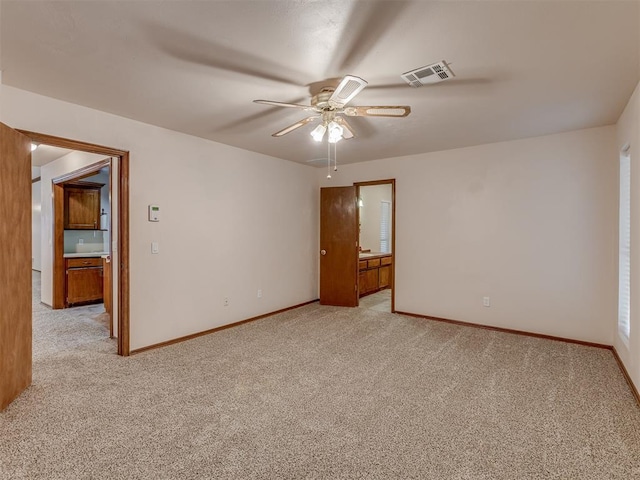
column 376, row 244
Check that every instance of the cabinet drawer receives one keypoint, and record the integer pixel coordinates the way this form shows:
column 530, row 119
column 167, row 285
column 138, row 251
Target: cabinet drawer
column 84, row 262
column 385, row 261
column 374, row 263
column 362, row 265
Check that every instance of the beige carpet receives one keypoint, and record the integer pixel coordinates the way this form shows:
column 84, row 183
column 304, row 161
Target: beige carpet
column 321, row 392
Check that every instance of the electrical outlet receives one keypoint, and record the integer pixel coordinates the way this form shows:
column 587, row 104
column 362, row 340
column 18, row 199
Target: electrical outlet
column 225, row 302
column 259, row 293
column 81, row 241
column 486, row 301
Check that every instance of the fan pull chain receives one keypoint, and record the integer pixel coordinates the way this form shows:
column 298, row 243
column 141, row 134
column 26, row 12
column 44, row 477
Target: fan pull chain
column 328, row 159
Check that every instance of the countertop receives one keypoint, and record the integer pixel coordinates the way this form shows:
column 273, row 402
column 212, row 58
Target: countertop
column 369, row 255
column 86, row 255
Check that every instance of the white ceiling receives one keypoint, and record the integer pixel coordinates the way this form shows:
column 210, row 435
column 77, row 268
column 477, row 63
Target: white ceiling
column 45, row 154
column 523, row 68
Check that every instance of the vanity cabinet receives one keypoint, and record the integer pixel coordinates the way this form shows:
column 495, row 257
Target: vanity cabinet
column 368, row 281
column 374, row 274
column 82, row 206
column 84, row 280
column 384, row 277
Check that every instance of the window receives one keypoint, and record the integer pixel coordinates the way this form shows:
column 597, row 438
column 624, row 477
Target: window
column 624, row 247
column 385, row 227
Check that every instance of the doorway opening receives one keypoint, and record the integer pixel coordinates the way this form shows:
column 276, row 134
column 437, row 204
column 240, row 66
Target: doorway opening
column 82, row 199
column 376, row 244
column 100, row 179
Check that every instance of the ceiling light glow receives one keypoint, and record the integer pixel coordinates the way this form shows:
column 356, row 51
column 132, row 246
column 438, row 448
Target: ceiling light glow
column 318, row 132
column 335, row 132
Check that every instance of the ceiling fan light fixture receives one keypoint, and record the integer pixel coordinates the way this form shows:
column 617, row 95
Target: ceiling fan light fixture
column 335, row 132
column 318, row 132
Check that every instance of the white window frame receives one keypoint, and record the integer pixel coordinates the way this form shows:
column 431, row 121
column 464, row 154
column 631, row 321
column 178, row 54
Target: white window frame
column 624, row 247
column 385, row 226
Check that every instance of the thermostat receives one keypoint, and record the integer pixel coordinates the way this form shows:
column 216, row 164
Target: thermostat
column 154, row 213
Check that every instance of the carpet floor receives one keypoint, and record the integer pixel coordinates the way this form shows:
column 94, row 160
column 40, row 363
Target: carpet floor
column 320, row 392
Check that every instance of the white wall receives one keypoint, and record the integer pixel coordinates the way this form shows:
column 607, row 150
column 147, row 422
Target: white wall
column 370, row 213
column 36, row 262
column 628, row 133
column 233, row 221
column 530, row 223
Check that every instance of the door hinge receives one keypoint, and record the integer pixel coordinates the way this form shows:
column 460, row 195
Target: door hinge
column 355, row 287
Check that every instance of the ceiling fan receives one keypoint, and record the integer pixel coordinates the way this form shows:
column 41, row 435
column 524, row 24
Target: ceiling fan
column 329, row 101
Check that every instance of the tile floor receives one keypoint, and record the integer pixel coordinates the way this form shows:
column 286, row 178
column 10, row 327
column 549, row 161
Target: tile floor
column 380, row 301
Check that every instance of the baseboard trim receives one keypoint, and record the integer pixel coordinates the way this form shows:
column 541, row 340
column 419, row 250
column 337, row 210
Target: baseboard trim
column 217, row 329
column 627, row 377
column 508, row 330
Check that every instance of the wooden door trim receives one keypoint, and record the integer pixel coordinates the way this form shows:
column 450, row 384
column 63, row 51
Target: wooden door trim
column 123, row 219
column 83, row 172
column 58, row 300
column 392, row 182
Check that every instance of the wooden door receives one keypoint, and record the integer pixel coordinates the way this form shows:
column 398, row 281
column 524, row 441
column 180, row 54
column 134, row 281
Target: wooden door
column 338, row 247
column 15, row 264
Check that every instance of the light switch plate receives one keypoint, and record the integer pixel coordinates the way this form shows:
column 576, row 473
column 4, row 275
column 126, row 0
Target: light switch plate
column 155, row 247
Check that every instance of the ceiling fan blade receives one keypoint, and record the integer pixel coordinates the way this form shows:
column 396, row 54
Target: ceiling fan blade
column 348, row 88
column 347, row 132
column 285, row 104
column 260, row 118
column 197, row 49
column 378, row 111
column 367, row 24
column 451, row 83
column 295, row 126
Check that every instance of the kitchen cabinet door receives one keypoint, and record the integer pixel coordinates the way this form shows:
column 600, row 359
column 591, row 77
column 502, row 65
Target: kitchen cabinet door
column 84, row 285
column 81, row 208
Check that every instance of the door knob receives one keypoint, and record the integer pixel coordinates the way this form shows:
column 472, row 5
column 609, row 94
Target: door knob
column 323, row 252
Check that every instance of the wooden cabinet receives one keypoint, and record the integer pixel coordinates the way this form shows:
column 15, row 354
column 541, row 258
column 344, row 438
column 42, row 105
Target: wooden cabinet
column 374, row 274
column 82, row 206
column 384, row 272
column 384, row 277
column 368, row 281
column 84, row 280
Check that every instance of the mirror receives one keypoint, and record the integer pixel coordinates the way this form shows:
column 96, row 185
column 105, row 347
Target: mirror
column 375, row 207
